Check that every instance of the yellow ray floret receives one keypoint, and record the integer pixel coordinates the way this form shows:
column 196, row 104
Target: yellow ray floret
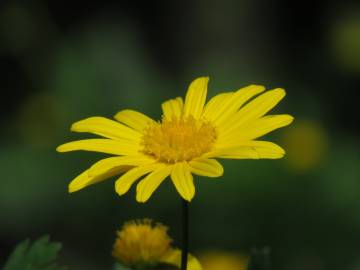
column 186, row 142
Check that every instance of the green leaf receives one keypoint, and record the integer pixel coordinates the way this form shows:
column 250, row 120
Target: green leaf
column 118, row 266
column 40, row 255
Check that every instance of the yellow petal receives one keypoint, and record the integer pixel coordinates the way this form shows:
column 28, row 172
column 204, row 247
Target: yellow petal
column 215, row 104
column 255, row 129
column 150, row 183
column 84, row 180
column 106, row 128
column 249, row 150
column 183, row 180
column 173, row 257
column 133, row 119
column 196, row 97
column 173, row 108
column 206, row 167
column 236, row 100
column 108, row 164
column 101, row 145
column 123, row 184
column 255, row 109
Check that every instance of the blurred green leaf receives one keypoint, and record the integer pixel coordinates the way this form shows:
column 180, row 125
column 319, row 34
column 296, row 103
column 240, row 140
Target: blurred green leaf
column 40, row 255
column 118, row 266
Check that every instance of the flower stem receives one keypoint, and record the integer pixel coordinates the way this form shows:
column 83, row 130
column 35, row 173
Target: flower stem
column 185, row 234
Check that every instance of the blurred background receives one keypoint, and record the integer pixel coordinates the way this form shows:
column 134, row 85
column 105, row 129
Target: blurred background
column 61, row 62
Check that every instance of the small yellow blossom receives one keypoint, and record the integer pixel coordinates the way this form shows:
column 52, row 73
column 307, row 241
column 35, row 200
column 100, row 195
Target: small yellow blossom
column 306, row 144
column 224, row 261
column 142, row 242
column 191, row 134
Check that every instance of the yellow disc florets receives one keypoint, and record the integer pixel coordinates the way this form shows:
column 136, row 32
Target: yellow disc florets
column 141, row 242
column 176, row 140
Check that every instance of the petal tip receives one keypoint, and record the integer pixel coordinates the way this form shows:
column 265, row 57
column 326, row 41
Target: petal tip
column 281, row 153
column 280, row 91
column 291, row 119
column 61, row 148
column 118, row 115
column 188, row 197
column 73, row 188
column 140, row 199
column 119, row 189
column 202, row 78
column 75, row 127
column 288, row 119
column 80, row 125
column 260, row 87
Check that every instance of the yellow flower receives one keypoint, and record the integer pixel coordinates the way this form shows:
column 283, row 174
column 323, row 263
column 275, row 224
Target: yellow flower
column 186, row 141
column 224, row 261
column 142, row 242
column 307, row 144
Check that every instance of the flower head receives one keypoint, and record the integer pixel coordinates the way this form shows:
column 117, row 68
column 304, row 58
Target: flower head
column 143, row 243
column 191, row 134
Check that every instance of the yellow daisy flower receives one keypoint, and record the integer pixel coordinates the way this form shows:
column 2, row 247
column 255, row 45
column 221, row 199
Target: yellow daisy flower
column 191, row 134
column 143, row 243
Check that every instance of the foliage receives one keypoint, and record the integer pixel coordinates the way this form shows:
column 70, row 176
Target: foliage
column 118, row 266
column 39, row 255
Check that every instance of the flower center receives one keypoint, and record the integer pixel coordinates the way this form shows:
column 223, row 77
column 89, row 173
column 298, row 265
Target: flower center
column 176, row 140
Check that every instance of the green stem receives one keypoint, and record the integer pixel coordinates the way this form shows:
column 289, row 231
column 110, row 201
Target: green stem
column 185, row 234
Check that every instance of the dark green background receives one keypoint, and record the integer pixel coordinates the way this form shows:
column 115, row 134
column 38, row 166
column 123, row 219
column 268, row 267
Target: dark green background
column 61, row 62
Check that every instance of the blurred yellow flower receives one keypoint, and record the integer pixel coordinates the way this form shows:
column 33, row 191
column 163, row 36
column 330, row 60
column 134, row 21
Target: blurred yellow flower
column 142, row 243
column 186, row 141
column 306, row 144
column 345, row 39
column 224, row 261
